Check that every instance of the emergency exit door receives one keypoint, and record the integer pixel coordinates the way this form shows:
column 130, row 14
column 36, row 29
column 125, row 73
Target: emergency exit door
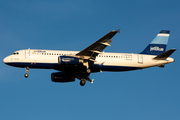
column 140, row 59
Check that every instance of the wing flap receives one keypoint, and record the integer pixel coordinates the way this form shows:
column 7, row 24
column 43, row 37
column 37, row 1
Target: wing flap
column 106, row 44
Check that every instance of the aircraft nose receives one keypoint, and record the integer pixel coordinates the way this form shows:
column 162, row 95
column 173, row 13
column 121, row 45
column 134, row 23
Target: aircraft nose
column 6, row 60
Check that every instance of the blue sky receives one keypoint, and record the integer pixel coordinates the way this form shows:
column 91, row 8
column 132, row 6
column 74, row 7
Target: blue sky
column 151, row 93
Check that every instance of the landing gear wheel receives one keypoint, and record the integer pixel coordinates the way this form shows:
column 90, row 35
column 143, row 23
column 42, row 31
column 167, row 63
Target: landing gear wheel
column 27, row 70
column 26, row 75
column 88, row 70
column 83, row 82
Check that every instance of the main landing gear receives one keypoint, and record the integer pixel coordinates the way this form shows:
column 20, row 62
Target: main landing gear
column 83, row 82
column 88, row 70
column 27, row 70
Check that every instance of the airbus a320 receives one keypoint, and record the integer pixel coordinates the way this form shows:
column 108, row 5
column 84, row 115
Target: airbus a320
column 80, row 64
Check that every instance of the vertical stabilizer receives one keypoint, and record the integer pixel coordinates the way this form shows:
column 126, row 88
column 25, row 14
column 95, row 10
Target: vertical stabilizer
column 158, row 45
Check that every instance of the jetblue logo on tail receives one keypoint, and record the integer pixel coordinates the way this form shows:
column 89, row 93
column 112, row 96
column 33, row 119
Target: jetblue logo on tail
column 158, row 44
column 156, row 48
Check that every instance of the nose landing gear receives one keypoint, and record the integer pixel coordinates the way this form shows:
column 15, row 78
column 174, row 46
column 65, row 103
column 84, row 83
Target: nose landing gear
column 27, row 70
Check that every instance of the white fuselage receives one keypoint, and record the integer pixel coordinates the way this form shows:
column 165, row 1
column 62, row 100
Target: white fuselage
column 48, row 59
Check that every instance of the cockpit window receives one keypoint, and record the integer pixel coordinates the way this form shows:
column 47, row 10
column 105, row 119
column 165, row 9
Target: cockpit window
column 15, row 53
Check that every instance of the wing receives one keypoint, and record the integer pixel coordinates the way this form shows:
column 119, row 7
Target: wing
column 93, row 50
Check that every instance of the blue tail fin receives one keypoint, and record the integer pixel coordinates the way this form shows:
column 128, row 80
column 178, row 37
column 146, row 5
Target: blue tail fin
column 158, row 45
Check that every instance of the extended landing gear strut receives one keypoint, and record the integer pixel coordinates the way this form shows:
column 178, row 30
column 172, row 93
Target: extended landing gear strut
column 27, row 70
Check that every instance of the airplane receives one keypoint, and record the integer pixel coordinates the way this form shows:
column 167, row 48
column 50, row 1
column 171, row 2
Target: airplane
column 80, row 64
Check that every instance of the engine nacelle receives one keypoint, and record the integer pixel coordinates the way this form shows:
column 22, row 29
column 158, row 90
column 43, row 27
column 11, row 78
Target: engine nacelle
column 62, row 77
column 69, row 60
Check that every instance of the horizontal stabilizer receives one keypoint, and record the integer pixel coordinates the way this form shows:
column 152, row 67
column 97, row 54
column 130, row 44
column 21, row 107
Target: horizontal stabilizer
column 165, row 55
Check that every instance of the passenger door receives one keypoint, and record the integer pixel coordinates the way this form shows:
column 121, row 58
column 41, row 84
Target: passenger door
column 27, row 53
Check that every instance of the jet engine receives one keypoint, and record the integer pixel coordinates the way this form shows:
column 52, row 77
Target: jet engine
column 62, row 77
column 69, row 60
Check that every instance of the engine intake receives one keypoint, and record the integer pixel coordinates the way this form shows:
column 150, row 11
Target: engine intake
column 62, row 77
column 69, row 60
